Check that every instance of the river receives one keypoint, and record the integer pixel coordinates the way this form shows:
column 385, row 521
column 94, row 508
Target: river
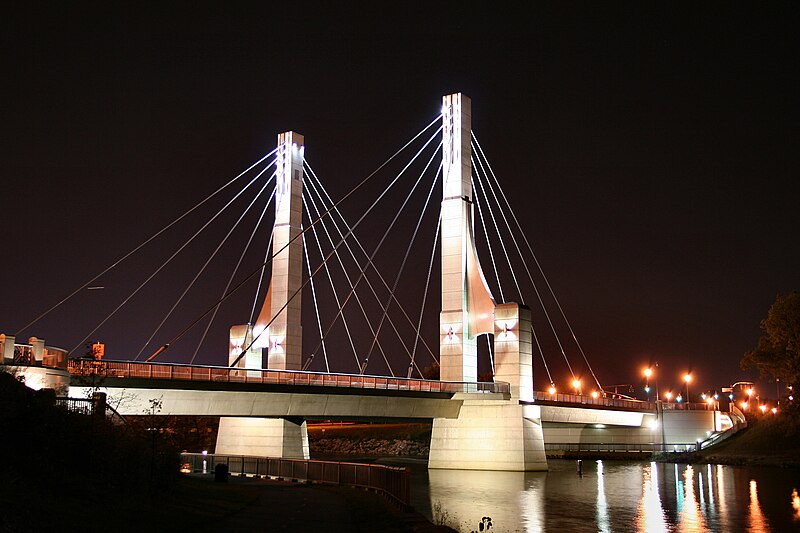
column 611, row 496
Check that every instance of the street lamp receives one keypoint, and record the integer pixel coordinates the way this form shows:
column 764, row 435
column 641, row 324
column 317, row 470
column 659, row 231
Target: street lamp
column 576, row 384
column 647, row 373
column 687, row 378
column 668, row 395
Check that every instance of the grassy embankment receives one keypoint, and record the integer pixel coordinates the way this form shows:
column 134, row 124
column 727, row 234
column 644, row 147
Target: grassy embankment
column 770, row 440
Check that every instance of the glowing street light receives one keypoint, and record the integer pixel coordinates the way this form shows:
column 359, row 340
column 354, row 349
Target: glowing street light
column 552, row 389
column 687, row 378
column 750, row 392
column 668, row 395
column 763, row 408
column 647, row 373
column 576, row 384
column 595, row 394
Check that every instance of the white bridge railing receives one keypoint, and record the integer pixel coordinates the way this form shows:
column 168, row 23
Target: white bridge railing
column 176, row 371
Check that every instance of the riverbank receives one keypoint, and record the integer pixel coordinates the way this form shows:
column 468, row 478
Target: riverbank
column 768, row 441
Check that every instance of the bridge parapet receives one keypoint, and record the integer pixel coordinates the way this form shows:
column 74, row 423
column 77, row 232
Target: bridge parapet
column 177, row 371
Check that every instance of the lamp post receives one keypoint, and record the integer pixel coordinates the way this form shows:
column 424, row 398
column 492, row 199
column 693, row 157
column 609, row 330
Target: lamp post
column 687, row 378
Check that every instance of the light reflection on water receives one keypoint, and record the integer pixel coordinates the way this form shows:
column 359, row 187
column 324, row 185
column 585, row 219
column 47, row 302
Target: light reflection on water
column 611, row 496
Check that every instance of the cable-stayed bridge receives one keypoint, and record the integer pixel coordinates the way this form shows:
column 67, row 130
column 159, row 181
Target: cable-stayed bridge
column 367, row 272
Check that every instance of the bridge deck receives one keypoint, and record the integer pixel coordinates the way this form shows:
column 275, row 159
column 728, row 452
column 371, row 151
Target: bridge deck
column 170, row 371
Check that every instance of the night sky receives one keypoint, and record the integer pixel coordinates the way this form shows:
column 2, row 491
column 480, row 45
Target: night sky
column 651, row 151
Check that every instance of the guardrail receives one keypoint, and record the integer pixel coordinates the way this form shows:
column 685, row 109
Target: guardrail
column 618, row 447
column 590, row 400
column 124, row 369
column 390, row 481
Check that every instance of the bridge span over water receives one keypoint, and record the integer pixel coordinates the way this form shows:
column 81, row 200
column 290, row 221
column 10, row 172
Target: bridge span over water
column 568, row 422
column 265, row 395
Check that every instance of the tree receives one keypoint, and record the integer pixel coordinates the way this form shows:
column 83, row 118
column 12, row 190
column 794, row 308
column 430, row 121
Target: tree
column 778, row 351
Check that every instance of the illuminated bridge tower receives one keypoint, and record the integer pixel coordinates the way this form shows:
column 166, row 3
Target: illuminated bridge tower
column 275, row 340
column 490, row 433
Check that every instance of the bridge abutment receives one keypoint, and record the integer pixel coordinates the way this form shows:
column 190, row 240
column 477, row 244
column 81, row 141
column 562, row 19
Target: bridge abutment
column 263, row 437
column 489, row 435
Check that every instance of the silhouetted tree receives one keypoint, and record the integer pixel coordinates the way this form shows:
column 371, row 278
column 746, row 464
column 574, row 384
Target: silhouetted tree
column 778, row 351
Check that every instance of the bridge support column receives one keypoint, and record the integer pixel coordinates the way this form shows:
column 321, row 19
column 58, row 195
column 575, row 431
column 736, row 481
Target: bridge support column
column 489, row 435
column 263, row 437
column 494, row 434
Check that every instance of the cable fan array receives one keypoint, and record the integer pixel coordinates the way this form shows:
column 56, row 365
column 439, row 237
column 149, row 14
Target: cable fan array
column 370, row 302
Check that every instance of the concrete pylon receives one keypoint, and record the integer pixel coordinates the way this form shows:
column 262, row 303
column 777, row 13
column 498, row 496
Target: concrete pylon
column 492, row 431
column 278, row 328
column 467, row 303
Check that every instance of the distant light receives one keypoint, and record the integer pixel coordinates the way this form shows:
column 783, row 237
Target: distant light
column 750, row 391
column 576, row 383
column 774, row 410
column 703, row 396
column 687, row 378
column 744, row 405
column 594, row 394
column 679, row 398
column 647, row 390
column 668, row 396
column 204, row 452
column 709, row 400
column 730, row 396
column 791, row 397
column 648, row 372
column 716, row 396
column 551, row 390
column 763, row 408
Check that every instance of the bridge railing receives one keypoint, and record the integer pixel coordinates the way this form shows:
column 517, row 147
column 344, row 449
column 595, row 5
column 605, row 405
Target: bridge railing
column 590, row 400
column 390, row 481
column 619, row 447
column 177, row 371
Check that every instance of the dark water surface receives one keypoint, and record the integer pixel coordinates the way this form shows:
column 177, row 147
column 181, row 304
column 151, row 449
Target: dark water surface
column 613, row 496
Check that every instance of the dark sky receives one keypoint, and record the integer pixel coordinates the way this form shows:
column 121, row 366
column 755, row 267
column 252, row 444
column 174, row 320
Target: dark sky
column 651, row 149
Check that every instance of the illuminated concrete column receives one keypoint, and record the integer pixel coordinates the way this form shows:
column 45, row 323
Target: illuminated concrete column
column 467, row 304
column 285, row 332
column 280, row 310
column 6, row 349
column 275, row 437
column 513, row 349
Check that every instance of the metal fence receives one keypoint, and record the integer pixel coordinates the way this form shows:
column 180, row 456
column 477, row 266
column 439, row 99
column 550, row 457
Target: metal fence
column 123, row 369
column 390, row 481
column 84, row 406
column 618, row 447
column 590, row 400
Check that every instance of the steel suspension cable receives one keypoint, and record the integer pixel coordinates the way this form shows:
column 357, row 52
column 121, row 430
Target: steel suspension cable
column 358, row 264
column 530, row 277
column 425, row 297
column 497, row 230
column 330, row 281
column 539, row 267
column 146, row 241
column 408, row 251
column 488, row 244
column 254, row 272
column 208, row 261
column 377, row 248
column 233, row 274
column 366, row 255
column 164, row 264
column 316, row 308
